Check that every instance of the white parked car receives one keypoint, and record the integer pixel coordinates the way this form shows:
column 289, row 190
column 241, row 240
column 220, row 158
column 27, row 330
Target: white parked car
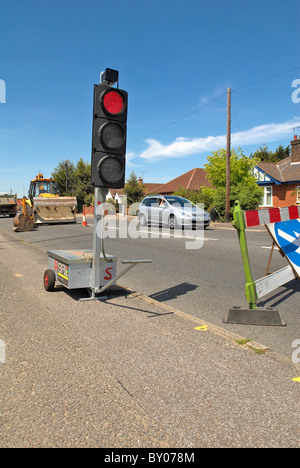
column 172, row 211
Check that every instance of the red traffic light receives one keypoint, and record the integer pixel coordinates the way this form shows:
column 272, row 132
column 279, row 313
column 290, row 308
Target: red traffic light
column 113, row 102
column 109, row 136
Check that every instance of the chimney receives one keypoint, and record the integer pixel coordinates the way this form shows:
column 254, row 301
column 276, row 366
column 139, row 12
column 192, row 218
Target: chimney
column 140, row 181
column 295, row 145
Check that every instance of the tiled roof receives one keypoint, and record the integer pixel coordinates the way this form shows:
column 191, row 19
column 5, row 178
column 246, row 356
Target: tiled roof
column 191, row 180
column 288, row 170
column 284, row 171
column 151, row 188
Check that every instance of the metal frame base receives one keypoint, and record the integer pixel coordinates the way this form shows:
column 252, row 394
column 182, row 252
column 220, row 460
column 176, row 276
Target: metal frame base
column 93, row 292
column 262, row 317
column 93, row 297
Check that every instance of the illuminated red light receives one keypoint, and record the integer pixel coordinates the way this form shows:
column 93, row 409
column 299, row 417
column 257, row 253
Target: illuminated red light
column 113, row 102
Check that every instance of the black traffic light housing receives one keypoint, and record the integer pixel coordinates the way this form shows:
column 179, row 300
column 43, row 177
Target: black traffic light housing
column 109, row 136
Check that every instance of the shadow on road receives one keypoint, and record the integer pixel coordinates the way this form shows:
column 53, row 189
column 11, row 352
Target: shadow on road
column 173, row 292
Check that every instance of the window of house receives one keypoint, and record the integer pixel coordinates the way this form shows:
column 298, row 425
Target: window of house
column 268, row 196
column 298, row 194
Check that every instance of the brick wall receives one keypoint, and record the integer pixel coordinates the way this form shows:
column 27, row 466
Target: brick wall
column 282, row 195
column 89, row 210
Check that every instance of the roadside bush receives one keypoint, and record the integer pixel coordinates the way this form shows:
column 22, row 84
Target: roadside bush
column 249, row 196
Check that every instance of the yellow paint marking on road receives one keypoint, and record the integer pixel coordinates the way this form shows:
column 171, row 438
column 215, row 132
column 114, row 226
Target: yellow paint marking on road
column 296, row 379
column 202, row 328
column 18, row 275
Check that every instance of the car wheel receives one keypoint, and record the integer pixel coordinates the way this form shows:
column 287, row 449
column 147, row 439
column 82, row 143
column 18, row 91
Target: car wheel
column 172, row 222
column 142, row 220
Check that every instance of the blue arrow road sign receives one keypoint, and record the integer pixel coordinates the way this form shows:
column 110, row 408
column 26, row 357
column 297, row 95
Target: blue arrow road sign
column 287, row 236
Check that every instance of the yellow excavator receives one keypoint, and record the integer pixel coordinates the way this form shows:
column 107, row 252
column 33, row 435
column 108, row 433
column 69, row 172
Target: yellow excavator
column 44, row 205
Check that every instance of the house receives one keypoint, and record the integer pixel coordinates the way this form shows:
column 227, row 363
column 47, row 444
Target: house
column 191, row 180
column 149, row 188
column 281, row 180
column 116, row 194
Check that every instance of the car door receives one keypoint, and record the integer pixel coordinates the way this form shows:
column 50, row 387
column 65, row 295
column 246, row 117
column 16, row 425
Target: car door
column 147, row 208
column 144, row 211
column 157, row 208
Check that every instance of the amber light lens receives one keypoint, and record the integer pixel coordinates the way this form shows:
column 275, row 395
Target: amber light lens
column 111, row 135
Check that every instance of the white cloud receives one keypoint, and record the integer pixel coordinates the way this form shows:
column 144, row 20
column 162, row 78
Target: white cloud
column 130, row 157
column 182, row 147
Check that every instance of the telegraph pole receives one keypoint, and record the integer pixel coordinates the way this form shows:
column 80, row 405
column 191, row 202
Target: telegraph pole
column 228, row 149
column 66, row 177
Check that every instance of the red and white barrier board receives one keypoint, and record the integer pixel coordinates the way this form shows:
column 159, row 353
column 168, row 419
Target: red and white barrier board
column 272, row 215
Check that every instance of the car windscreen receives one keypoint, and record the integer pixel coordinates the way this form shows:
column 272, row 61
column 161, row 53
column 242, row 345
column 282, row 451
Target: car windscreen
column 179, row 201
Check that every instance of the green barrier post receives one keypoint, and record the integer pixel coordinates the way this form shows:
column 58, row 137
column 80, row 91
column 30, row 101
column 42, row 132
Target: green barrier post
column 240, row 226
column 253, row 315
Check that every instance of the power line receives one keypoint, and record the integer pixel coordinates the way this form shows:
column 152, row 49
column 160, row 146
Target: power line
column 238, row 123
column 262, row 92
column 236, row 90
column 179, row 119
column 266, row 79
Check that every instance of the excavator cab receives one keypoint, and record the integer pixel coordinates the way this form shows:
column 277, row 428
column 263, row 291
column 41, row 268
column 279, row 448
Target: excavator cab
column 42, row 187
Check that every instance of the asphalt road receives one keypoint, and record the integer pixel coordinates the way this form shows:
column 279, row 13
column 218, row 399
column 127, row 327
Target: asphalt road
column 128, row 371
column 203, row 282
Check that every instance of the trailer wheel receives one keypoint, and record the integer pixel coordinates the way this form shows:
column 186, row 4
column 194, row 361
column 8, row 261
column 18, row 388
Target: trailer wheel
column 49, row 280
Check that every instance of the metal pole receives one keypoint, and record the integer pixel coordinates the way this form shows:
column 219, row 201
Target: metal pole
column 227, row 216
column 100, row 195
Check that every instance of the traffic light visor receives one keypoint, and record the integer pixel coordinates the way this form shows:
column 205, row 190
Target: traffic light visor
column 113, row 102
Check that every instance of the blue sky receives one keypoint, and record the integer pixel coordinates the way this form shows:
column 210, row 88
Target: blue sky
column 176, row 59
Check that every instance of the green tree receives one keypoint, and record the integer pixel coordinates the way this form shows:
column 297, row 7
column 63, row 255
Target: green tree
column 264, row 154
column 204, row 195
column 249, row 195
column 243, row 186
column 133, row 189
column 74, row 180
column 64, row 175
column 191, row 195
column 82, row 187
column 240, row 168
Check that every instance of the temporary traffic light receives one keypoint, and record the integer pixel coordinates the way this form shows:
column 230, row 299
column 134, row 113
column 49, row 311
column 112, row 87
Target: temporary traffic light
column 109, row 136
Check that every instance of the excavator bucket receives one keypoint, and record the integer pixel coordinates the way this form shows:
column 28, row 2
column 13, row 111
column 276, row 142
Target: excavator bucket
column 23, row 222
column 54, row 210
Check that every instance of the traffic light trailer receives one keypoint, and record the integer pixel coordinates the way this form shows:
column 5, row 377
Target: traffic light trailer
column 87, row 269
column 93, row 269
